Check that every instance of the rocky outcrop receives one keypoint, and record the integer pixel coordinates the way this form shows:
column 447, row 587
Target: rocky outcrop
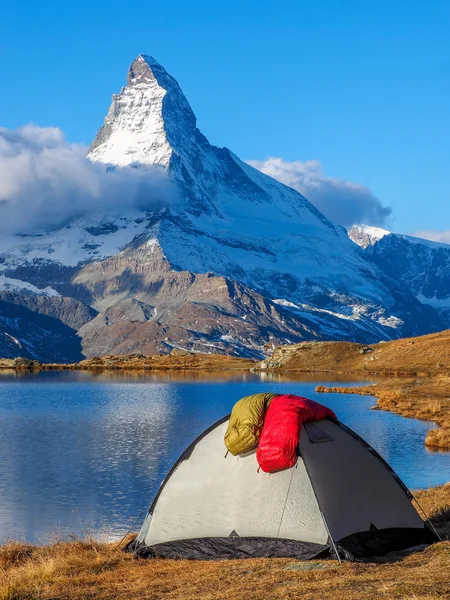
column 68, row 311
column 200, row 313
column 42, row 327
column 366, row 235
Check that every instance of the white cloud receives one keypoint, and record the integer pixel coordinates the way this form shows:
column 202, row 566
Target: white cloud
column 435, row 236
column 45, row 181
column 341, row 201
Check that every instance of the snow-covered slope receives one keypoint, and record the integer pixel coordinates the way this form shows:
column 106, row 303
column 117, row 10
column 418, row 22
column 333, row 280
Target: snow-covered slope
column 80, row 241
column 264, row 249
column 234, row 220
column 366, row 235
column 15, row 285
column 420, row 266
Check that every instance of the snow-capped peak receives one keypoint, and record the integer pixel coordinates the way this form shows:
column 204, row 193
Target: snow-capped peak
column 140, row 70
column 366, row 235
column 147, row 121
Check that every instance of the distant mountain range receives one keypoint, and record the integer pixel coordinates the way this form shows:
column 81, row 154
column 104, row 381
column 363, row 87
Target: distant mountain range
column 237, row 260
column 420, row 266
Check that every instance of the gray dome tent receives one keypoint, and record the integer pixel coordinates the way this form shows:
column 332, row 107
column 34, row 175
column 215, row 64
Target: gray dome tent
column 341, row 498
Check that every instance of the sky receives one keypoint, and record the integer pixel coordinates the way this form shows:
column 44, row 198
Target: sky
column 358, row 90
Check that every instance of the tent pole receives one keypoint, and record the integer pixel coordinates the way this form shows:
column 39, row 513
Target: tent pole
column 332, row 541
column 108, row 558
column 427, row 518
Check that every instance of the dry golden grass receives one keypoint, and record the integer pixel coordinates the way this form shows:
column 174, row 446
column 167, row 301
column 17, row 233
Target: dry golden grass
column 409, row 356
column 426, row 398
column 74, row 571
column 83, row 570
column 436, row 504
column 179, row 361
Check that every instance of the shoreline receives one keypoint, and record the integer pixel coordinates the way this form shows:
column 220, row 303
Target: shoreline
column 424, row 398
column 182, row 361
column 414, row 373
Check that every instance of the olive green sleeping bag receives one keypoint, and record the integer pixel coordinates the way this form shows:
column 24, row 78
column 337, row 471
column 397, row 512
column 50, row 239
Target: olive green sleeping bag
column 246, row 422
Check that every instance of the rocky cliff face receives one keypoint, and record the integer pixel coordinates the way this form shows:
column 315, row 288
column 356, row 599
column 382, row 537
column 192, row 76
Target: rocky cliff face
column 41, row 327
column 237, row 261
column 39, row 323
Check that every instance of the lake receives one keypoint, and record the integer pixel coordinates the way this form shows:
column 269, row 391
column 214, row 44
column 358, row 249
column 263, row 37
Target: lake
column 87, row 452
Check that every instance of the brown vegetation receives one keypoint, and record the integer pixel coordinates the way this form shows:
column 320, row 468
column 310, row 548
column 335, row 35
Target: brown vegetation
column 83, row 569
column 80, row 570
column 425, row 355
column 177, row 361
column 426, row 398
column 421, row 365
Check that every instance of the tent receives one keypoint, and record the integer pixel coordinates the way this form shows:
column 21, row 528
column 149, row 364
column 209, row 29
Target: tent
column 340, row 499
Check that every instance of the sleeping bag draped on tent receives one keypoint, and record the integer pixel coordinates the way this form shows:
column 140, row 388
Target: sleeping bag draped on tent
column 285, row 416
column 246, row 422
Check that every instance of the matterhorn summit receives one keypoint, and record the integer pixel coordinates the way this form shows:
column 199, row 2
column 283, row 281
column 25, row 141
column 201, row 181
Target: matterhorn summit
column 235, row 262
column 148, row 121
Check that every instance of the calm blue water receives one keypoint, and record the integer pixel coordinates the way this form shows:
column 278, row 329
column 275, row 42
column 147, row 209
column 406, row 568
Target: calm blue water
column 87, row 452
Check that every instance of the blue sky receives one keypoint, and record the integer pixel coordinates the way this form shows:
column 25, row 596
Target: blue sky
column 361, row 86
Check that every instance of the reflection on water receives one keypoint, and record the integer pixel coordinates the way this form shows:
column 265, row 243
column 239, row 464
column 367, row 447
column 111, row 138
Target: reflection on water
column 82, row 450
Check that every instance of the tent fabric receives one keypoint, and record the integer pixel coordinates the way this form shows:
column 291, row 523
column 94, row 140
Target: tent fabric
column 379, row 542
column 246, row 422
column 278, row 445
column 209, row 496
column 355, row 489
column 234, row 547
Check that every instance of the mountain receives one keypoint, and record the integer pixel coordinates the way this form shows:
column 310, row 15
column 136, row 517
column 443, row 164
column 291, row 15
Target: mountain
column 40, row 324
column 420, row 266
column 236, row 260
column 366, row 235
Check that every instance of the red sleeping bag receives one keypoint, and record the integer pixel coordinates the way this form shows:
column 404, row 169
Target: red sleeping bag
column 279, row 439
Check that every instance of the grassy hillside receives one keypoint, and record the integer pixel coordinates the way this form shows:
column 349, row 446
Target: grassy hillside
column 428, row 354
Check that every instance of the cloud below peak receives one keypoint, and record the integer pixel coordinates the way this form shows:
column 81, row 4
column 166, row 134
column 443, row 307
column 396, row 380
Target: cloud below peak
column 341, row 201
column 46, row 181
